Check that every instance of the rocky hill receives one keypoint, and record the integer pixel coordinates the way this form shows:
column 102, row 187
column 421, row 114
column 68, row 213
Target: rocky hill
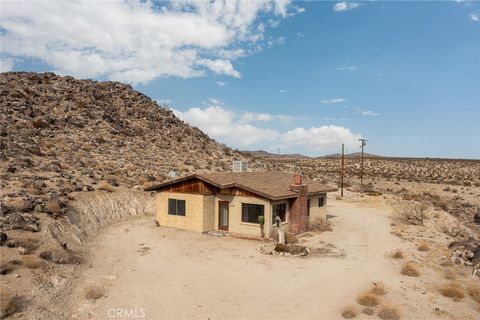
column 60, row 135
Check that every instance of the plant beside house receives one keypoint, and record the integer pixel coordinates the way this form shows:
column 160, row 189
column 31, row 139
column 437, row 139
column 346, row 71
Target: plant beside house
column 261, row 221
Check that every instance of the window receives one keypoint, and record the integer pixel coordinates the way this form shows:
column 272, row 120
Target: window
column 176, row 207
column 321, row 201
column 308, row 207
column 280, row 210
column 251, row 212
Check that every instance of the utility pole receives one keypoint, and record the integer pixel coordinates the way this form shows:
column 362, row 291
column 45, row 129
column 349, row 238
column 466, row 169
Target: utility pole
column 361, row 173
column 278, row 150
column 341, row 175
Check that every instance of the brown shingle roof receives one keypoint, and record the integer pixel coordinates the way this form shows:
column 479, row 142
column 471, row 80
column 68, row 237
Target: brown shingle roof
column 273, row 185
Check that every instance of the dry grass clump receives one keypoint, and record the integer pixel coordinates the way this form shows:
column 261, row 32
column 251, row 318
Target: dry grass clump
column 453, row 291
column 349, row 312
column 8, row 305
column 423, row 247
column 104, row 185
column 388, row 312
column 397, row 254
column 474, row 292
column 450, row 274
column 31, row 262
column 409, row 269
column 379, row 289
column 368, row 299
column 94, row 292
column 368, row 311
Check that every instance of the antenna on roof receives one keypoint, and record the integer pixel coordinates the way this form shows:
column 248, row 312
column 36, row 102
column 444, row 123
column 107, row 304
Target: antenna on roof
column 172, row 174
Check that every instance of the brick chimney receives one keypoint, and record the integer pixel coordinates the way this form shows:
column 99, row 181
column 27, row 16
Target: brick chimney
column 298, row 215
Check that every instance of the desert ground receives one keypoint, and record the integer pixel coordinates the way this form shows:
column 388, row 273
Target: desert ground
column 164, row 273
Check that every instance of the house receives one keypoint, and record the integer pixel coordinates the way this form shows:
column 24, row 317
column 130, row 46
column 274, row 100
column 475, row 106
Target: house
column 233, row 201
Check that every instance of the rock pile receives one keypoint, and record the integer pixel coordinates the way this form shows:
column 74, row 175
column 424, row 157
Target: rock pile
column 61, row 135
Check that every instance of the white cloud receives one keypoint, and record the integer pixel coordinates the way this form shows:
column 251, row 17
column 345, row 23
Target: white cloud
column 301, row 35
column 336, row 100
column 282, row 91
column 238, row 130
column 254, row 116
column 6, row 65
column 347, row 68
column 137, row 41
column 474, row 16
column 366, row 113
column 344, row 6
column 162, row 102
column 223, row 126
column 220, row 66
column 221, row 83
column 324, row 138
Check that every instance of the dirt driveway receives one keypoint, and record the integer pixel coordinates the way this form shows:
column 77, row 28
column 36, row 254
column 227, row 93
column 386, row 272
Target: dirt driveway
column 164, row 273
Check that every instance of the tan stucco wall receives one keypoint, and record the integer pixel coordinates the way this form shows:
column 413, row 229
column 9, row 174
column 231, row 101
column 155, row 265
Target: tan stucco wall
column 235, row 215
column 194, row 208
column 315, row 210
column 209, row 213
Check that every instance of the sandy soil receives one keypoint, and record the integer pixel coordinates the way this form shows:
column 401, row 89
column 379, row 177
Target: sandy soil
column 165, row 273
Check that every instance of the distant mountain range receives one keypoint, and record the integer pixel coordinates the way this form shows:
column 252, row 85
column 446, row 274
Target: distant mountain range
column 265, row 154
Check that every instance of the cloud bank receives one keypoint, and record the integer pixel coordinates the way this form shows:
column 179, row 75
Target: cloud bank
column 137, row 41
column 242, row 130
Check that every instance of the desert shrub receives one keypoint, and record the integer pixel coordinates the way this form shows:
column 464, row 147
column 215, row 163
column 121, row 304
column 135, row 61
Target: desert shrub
column 46, row 255
column 6, row 267
column 368, row 299
column 412, row 212
column 31, row 262
column 453, row 291
column 409, row 269
column 368, row 311
column 318, row 224
column 450, row 275
column 94, row 292
column 474, row 292
column 397, row 254
column 8, row 305
column 39, row 123
column 423, row 247
column 290, row 237
column 378, row 288
column 446, row 263
column 388, row 312
column 349, row 312
column 104, row 185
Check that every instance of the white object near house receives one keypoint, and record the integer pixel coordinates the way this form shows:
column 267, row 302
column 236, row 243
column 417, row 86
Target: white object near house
column 240, row 166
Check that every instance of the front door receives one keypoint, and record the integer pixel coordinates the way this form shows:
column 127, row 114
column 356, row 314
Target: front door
column 223, row 215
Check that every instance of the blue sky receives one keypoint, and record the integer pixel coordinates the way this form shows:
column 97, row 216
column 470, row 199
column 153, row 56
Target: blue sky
column 302, row 76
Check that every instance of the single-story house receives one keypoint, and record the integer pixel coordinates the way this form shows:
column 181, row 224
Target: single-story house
column 233, row 201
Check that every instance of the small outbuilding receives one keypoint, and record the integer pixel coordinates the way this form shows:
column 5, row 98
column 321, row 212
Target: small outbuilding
column 233, row 201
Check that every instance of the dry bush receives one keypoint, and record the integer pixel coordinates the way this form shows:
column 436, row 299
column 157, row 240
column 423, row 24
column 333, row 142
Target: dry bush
column 368, row 311
column 31, row 262
column 379, row 289
column 412, row 212
column 46, row 255
column 423, row 247
column 388, row 312
column 474, row 292
column 104, row 185
column 349, row 312
column 319, row 224
column 290, row 237
column 368, row 299
column 94, row 292
column 450, row 275
column 446, row 263
column 409, row 269
column 8, row 305
column 397, row 254
column 452, row 290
